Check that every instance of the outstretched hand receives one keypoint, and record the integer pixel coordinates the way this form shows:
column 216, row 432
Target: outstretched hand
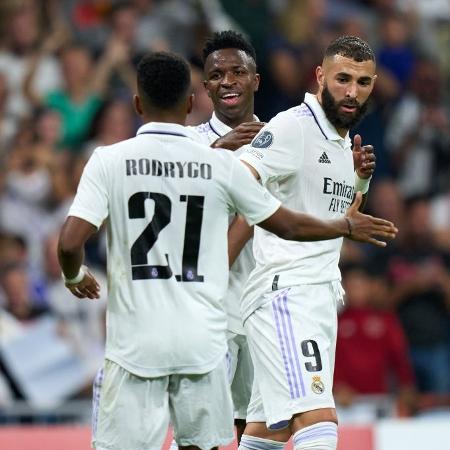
column 364, row 158
column 88, row 287
column 241, row 135
column 365, row 228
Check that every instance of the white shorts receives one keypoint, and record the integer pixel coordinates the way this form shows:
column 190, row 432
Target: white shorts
column 292, row 341
column 134, row 412
column 240, row 373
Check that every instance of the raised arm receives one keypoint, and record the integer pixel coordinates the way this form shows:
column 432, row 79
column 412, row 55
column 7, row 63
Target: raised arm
column 116, row 55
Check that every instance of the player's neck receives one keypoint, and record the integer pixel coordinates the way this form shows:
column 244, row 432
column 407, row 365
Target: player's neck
column 165, row 117
column 233, row 122
column 342, row 132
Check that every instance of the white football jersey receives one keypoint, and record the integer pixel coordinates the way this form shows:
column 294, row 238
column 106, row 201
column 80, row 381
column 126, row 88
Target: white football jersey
column 303, row 162
column 239, row 272
column 166, row 201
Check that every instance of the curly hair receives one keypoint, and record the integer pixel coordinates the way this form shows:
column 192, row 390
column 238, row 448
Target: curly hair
column 163, row 79
column 350, row 47
column 228, row 39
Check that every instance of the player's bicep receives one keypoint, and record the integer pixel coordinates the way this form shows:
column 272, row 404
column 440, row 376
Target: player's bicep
column 277, row 150
column 91, row 200
column 248, row 197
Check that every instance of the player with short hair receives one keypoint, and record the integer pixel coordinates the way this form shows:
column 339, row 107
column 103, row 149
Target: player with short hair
column 303, row 156
column 231, row 80
column 165, row 200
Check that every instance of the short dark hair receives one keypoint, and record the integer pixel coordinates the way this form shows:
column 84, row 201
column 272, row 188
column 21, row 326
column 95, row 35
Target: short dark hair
column 163, row 79
column 228, row 39
column 350, row 47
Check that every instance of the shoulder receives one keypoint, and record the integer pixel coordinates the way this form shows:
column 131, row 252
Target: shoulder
column 290, row 117
column 113, row 151
column 203, row 128
column 301, row 111
column 281, row 128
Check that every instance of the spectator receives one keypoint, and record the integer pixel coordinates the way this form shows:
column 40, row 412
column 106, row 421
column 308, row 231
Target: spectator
column 16, row 287
column 21, row 38
column 8, row 125
column 83, row 323
column 418, row 135
column 371, row 345
column 114, row 122
column 440, row 220
column 419, row 273
column 85, row 86
column 395, row 53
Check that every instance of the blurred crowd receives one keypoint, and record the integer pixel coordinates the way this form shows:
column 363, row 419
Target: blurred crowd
column 67, row 75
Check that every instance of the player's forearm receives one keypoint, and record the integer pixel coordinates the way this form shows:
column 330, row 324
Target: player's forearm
column 70, row 259
column 309, row 228
column 303, row 227
column 74, row 234
column 239, row 233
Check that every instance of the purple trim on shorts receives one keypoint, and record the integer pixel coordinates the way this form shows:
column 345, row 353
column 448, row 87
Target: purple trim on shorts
column 285, row 319
column 281, row 342
column 294, row 346
column 96, row 389
column 228, row 360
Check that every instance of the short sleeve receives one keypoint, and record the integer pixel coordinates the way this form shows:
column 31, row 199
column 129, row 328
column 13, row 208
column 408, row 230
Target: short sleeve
column 248, row 197
column 277, row 150
column 91, row 200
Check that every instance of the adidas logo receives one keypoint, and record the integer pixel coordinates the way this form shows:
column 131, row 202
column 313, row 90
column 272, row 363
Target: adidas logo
column 324, row 159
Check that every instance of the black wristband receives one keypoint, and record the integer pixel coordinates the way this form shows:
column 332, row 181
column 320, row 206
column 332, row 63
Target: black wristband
column 349, row 225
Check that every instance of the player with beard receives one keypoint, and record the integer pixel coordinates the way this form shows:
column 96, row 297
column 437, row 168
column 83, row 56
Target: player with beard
column 304, row 157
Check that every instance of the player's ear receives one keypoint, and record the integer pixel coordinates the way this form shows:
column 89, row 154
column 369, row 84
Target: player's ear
column 205, row 84
column 137, row 105
column 320, row 77
column 256, row 80
column 190, row 103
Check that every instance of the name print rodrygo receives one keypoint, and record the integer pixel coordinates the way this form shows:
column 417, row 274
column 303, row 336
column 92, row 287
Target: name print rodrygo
column 170, row 169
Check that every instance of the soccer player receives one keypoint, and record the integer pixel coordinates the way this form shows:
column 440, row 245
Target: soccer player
column 231, row 81
column 303, row 156
column 166, row 200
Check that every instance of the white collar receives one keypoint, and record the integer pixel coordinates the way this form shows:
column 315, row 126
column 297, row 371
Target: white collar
column 221, row 128
column 173, row 129
column 326, row 127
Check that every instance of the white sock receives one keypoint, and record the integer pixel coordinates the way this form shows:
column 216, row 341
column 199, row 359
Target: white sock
column 255, row 443
column 320, row 436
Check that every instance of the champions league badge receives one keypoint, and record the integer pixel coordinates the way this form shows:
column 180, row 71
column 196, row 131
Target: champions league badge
column 317, row 386
column 263, row 140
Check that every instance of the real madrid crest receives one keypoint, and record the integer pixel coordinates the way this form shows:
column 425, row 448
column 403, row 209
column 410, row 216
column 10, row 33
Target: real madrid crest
column 317, row 386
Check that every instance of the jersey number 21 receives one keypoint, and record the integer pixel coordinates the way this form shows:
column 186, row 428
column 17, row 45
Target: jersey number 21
column 140, row 268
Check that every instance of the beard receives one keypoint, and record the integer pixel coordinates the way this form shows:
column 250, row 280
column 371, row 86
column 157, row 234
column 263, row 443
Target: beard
column 338, row 118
